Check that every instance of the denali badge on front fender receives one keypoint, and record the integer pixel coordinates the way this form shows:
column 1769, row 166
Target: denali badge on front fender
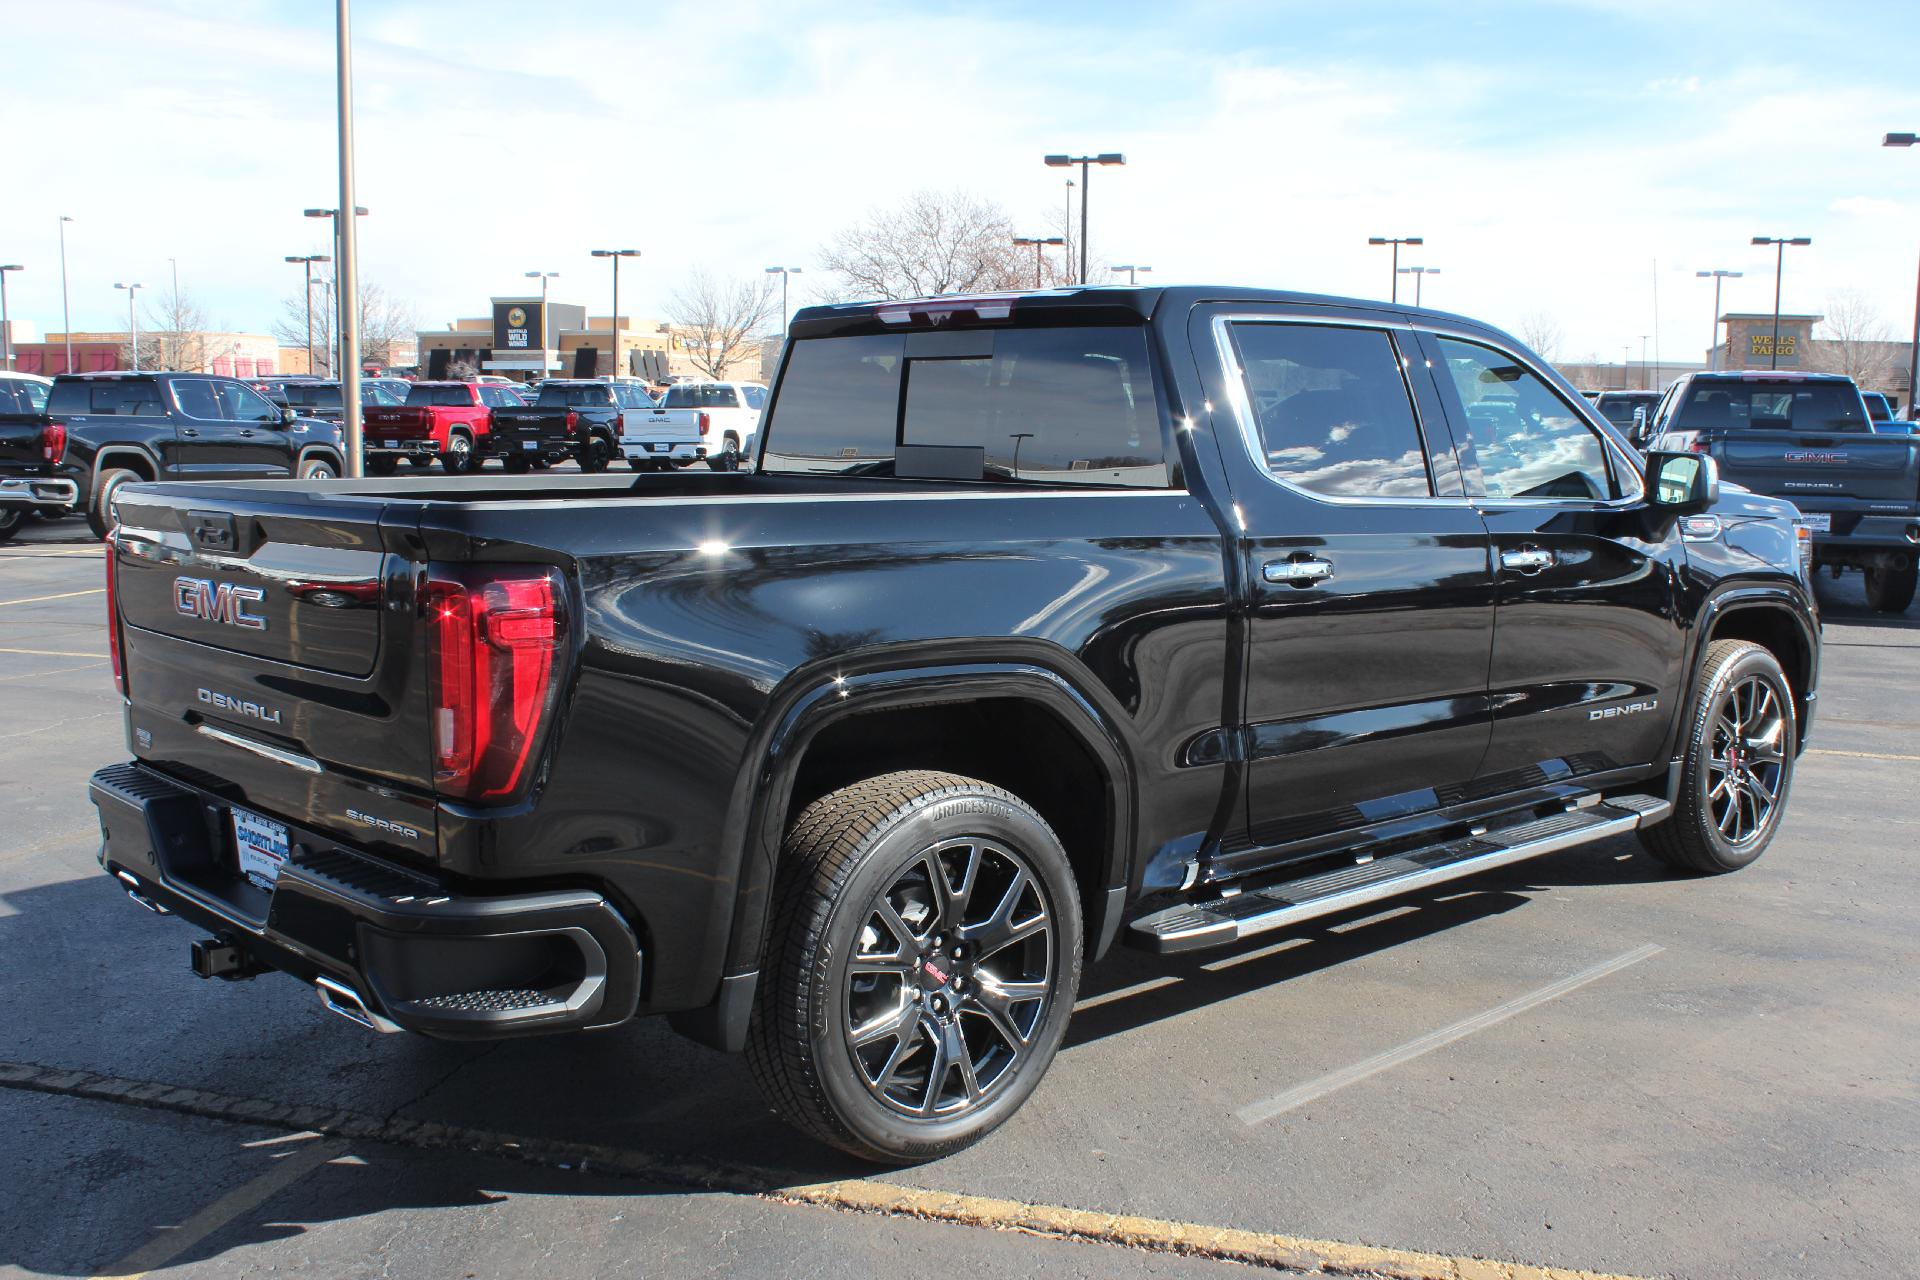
column 224, row 603
column 1631, row 708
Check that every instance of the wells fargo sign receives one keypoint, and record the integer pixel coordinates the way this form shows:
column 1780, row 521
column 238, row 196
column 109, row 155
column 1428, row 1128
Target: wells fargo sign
column 1762, row 344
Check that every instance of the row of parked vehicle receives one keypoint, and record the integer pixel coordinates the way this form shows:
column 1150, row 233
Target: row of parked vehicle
column 72, row 442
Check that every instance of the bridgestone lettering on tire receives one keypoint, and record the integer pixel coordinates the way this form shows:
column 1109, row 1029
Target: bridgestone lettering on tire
column 922, row 957
column 1741, row 738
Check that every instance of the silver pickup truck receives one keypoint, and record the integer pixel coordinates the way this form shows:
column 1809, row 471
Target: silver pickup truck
column 1807, row 437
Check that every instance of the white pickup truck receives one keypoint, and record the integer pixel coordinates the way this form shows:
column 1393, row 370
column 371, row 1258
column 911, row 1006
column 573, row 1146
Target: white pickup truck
column 714, row 421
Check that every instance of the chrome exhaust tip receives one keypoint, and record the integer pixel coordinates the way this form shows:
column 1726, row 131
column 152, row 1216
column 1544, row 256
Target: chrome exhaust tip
column 337, row 997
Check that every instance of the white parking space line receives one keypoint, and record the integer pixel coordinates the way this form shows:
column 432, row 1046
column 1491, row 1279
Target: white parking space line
column 1861, row 755
column 64, row 595
column 286, row 1171
column 53, row 653
column 1299, row 1096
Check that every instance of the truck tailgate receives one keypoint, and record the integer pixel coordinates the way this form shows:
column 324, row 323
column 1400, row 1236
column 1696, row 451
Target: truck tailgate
column 676, row 425
column 1798, row 465
column 397, row 423
column 271, row 642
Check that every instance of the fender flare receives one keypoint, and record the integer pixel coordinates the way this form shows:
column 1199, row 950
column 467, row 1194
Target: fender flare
column 324, row 450
column 1739, row 598
column 103, row 458
column 827, row 700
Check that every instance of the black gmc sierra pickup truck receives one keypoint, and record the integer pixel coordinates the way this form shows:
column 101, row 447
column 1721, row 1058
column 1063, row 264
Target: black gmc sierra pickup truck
column 1042, row 621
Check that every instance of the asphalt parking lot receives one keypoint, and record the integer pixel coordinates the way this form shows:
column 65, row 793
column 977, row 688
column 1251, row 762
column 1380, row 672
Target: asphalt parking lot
column 1580, row 1063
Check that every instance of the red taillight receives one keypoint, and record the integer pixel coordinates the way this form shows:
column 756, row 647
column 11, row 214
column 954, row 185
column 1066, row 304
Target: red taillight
column 113, row 613
column 53, row 442
column 619, row 424
column 497, row 636
column 1698, row 445
column 706, row 423
column 573, row 419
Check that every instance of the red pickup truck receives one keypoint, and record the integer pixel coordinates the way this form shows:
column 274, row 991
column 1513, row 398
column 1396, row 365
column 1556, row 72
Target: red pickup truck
column 445, row 420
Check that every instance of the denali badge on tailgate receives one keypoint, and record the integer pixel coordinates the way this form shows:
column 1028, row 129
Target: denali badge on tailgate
column 240, row 706
column 226, row 603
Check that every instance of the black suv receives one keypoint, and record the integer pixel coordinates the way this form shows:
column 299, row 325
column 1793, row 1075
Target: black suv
column 122, row 427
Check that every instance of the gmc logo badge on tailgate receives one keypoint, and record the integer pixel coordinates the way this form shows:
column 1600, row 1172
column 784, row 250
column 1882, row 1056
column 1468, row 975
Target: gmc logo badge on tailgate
column 223, row 603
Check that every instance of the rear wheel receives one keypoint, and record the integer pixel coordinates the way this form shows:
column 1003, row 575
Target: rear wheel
column 459, row 458
column 728, row 459
column 517, row 463
column 100, row 513
column 380, row 465
column 639, row 464
column 921, row 964
column 1738, row 767
column 319, row 469
column 1891, row 590
column 11, row 518
column 595, row 454
column 418, row 461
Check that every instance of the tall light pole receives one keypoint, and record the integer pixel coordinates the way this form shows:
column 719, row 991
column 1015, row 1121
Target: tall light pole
column 1396, row 242
column 1713, row 361
column 1066, row 229
column 66, row 312
column 1779, row 244
column 1132, row 272
column 306, row 263
column 1061, row 162
column 1913, row 366
column 1419, row 275
column 1039, row 244
column 1643, row 363
column 6, row 323
column 613, row 332
column 783, row 273
column 338, row 295
column 346, row 227
column 133, row 319
column 542, row 277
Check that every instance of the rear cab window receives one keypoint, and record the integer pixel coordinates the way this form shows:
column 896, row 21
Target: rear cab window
column 1770, row 404
column 460, row 396
column 17, row 395
column 575, row 397
column 1070, row 406
column 700, row 395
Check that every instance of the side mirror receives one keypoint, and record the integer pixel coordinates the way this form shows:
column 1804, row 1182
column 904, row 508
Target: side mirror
column 287, row 416
column 1682, row 483
column 1639, row 423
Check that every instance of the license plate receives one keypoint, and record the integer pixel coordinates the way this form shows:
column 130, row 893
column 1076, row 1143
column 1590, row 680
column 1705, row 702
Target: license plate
column 1818, row 521
column 529, row 444
column 262, row 844
column 391, row 444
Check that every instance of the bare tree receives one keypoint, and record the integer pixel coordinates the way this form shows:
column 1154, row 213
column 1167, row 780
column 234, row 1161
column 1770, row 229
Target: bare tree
column 1855, row 340
column 175, row 335
column 721, row 320
column 937, row 242
column 384, row 321
column 1541, row 332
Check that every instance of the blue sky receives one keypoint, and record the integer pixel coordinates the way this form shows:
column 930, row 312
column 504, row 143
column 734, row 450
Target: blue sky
column 1551, row 154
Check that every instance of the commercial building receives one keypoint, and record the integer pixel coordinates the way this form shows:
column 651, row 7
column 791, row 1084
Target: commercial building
column 236, row 355
column 526, row 338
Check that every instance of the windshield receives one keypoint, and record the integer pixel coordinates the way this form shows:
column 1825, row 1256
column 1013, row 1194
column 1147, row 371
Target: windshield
column 574, row 397
column 1768, row 405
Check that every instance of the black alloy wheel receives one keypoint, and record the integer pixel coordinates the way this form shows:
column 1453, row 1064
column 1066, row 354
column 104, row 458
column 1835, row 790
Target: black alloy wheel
column 595, row 454
column 1738, row 768
column 921, row 962
column 1891, row 590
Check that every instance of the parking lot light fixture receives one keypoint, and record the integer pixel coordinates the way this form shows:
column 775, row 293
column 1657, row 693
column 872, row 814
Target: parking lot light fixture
column 1396, row 242
column 783, row 273
column 1419, row 275
column 613, row 331
column 1039, row 244
column 542, row 277
column 133, row 319
column 306, row 262
column 1713, row 360
column 1133, row 272
column 1779, row 244
column 6, row 324
column 1085, row 162
column 1913, row 360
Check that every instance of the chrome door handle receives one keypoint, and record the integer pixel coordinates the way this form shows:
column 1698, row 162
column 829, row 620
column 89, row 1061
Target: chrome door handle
column 247, row 432
column 189, row 431
column 1526, row 560
column 1297, row 573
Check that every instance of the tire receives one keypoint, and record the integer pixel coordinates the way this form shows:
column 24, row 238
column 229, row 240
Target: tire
column 517, row 463
column 381, row 466
column 1714, row 828
column 459, row 459
column 319, row 469
column 595, row 454
column 923, row 996
column 728, row 459
column 418, row 461
column 1891, row 590
column 12, row 519
column 639, row 464
column 100, row 511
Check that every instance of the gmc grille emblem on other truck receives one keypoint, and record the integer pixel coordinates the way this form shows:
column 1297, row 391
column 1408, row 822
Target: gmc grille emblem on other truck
column 223, row 603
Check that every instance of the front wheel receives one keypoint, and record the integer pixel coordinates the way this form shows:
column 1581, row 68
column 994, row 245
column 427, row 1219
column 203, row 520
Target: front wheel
column 1891, row 590
column 921, row 963
column 1738, row 766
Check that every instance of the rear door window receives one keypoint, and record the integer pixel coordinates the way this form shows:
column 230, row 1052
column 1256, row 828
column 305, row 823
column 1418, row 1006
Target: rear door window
column 1333, row 410
column 241, row 403
column 194, row 397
